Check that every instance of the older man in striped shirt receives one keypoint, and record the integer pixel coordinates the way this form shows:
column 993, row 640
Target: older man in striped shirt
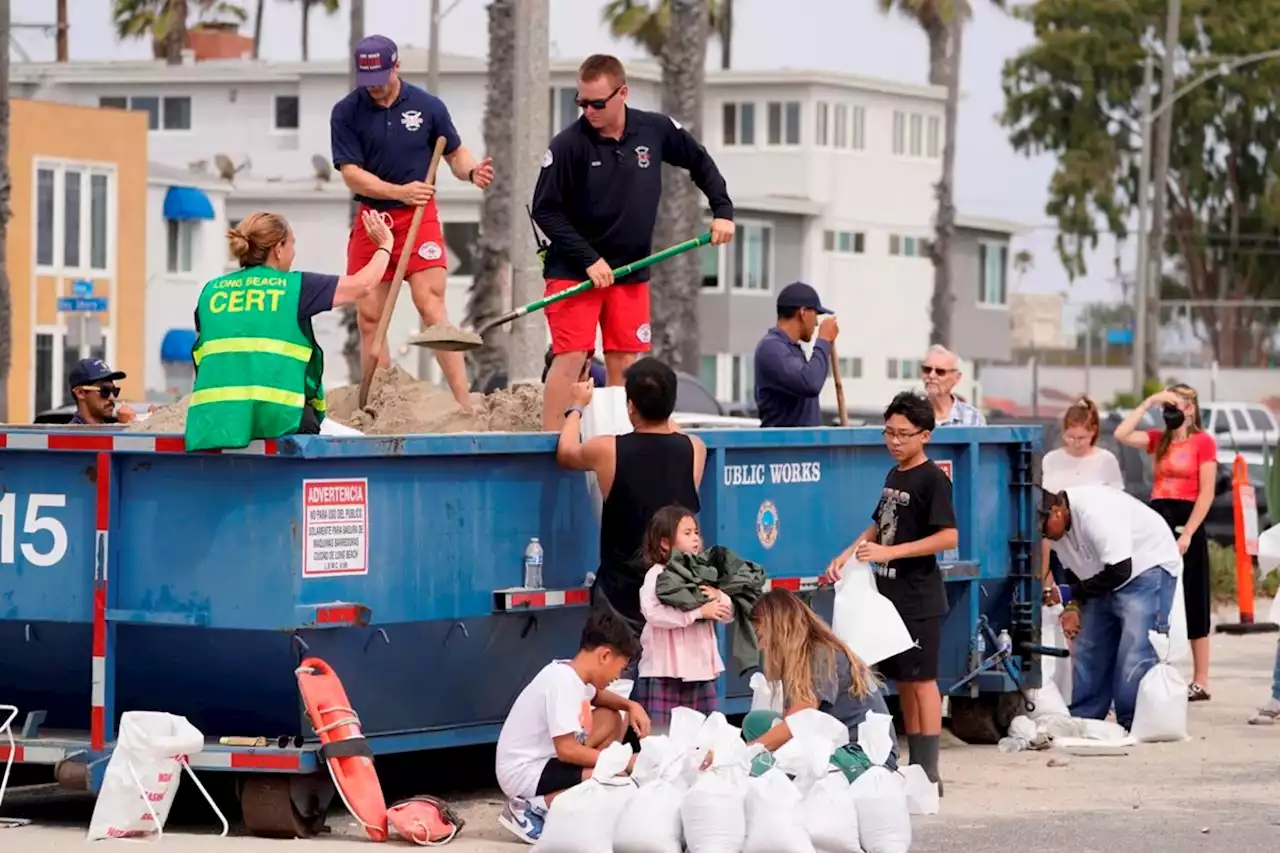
column 941, row 373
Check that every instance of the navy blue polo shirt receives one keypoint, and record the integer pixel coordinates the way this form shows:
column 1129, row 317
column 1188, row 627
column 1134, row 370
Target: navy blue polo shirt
column 394, row 143
column 598, row 198
column 787, row 384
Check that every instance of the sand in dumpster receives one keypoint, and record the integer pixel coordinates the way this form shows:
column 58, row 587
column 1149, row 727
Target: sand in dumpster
column 401, row 405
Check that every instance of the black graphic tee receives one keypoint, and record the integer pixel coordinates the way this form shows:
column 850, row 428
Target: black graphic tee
column 914, row 504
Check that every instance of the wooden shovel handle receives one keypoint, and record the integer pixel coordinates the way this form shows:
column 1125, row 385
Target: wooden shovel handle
column 841, row 412
column 393, row 294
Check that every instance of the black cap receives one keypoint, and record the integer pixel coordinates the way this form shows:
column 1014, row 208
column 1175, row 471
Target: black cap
column 797, row 294
column 91, row 371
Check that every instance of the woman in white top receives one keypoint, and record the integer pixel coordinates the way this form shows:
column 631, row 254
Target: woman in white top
column 1078, row 462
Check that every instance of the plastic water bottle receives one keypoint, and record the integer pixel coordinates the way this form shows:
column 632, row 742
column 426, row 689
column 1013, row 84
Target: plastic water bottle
column 1012, row 744
column 590, row 580
column 533, row 564
column 982, row 644
column 1005, row 641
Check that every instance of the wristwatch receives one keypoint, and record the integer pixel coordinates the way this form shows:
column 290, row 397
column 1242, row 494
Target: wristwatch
column 471, row 176
column 573, row 409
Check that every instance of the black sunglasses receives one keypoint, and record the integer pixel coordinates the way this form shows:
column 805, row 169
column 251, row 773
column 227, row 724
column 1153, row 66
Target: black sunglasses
column 596, row 103
column 109, row 391
column 926, row 369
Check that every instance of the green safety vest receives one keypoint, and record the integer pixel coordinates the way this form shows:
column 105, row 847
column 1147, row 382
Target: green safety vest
column 257, row 367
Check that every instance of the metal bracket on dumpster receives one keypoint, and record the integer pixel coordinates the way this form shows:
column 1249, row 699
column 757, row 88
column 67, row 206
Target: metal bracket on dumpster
column 517, row 599
column 334, row 614
column 960, row 571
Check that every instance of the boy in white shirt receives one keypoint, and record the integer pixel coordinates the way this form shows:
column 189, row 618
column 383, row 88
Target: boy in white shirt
column 561, row 721
column 1122, row 567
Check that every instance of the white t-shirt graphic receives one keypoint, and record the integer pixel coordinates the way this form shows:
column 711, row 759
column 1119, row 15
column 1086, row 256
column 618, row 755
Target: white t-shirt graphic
column 556, row 702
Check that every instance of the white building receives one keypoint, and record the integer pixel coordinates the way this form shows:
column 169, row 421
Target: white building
column 832, row 177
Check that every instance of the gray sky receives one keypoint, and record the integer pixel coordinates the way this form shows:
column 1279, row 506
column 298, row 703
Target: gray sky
column 846, row 35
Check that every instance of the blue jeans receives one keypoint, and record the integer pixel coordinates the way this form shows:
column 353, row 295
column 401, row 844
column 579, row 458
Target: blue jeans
column 1112, row 651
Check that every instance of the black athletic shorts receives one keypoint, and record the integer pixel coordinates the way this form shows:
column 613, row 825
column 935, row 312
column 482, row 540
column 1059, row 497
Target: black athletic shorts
column 557, row 776
column 919, row 663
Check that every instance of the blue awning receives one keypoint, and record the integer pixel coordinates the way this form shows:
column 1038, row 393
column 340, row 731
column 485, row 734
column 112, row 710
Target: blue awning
column 177, row 345
column 187, row 203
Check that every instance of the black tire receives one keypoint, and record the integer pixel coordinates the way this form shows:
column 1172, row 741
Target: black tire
column 985, row 719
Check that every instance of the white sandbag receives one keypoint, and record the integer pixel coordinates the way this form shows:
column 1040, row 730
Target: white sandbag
column 1161, row 710
column 868, row 622
column 651, row 821
column 774, row 819
column 884, row 819
column 922, row 794
column 582, row 819
column 713, row 813
column 1179, row 644
column 329, row 426
column 1055, row 673
column 765, row 696
column 143, row 773
column 1269, row 561
column 815, row 735
column 830, row 815
column 606, row 414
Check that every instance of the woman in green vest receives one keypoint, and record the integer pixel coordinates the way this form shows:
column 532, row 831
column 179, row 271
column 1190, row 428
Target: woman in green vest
column 258, row 366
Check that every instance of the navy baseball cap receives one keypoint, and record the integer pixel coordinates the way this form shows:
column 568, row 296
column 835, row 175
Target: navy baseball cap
column 375, row 60
column 91, row 371
column 797, row 294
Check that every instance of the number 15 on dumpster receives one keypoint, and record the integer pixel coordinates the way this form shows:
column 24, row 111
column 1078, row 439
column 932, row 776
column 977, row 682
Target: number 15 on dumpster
column 38, row 529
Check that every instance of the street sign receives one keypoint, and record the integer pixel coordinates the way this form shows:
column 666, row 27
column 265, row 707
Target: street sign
column 83, row 287
column 1119, row 336
column 89, row 305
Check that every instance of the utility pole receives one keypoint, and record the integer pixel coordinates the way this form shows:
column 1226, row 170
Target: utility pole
column 528, row 340
column 941, row 310
column 6, row 305
column 63, row 53
column 433, row 57
column 1160, row 181
column 1139, row 341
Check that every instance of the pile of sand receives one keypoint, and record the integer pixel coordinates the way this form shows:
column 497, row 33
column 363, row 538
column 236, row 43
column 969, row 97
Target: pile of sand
column 401, row 405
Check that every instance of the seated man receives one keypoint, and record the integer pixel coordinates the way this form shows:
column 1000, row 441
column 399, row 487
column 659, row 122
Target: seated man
column 560, row 723
column 1122, row 568
column 94, row 389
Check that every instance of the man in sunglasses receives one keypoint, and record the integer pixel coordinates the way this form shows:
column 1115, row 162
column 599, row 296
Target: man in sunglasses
column 94, row 389
column 597, row 202
column 941, row 373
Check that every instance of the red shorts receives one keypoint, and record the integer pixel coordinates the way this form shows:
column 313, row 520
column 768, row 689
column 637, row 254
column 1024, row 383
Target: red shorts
column 428, row 246
column 621, row 311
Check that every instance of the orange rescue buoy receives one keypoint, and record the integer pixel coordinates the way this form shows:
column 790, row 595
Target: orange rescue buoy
column 344, row 748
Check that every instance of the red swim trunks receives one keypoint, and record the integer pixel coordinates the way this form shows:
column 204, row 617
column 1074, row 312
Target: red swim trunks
column 621, row 312
column 428, row 246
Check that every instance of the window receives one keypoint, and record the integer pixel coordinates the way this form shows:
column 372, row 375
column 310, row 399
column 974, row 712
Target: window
column 899, row 133
column 908, row 246
column 99, row 201
column 1238, row 420
column 460, row 244
column 859, row 137
column 707, row 372
column 753, row 257
column 71, row 219
column 895, row 244
column 917, row 135
column 743, row 378
column 232, row 261
column 171, row 112
column 933, row 145
column 710, row 258
column 738, row 124
column 44, row 372
column 1261, row 420
column 993, row 261
column 563, row 107
column 891, row 368
column 286, row 113
column 820, row 125
column 842, row 126
column 844, row 242
column 784, row 123
column 181, row 245
column 901, row 368
column 850, row 368
column 44, row 217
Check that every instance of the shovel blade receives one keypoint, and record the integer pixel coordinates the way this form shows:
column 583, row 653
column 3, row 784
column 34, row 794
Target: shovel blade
column 446, row 338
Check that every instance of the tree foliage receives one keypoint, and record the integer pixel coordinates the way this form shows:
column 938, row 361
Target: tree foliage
column 1076, row 93
column 647, row 24
column 934, row 17
column 165, row 21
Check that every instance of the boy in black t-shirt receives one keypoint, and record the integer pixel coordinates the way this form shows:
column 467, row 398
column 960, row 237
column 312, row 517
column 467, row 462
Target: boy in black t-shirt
column 913, row 522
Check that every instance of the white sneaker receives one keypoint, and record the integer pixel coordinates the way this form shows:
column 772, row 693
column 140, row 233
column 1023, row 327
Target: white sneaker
column 523, row 820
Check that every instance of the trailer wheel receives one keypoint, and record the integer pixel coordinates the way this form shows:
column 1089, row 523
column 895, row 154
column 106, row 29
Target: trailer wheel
column 984, row 719
column 268, row 809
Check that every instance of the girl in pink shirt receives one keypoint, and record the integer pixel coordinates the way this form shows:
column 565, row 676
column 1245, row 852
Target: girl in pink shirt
column 681, row 660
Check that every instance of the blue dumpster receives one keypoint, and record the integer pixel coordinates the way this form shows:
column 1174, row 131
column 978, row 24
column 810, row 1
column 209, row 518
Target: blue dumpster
column 134, row 575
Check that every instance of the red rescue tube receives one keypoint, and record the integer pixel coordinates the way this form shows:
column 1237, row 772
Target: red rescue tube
column 336, row 723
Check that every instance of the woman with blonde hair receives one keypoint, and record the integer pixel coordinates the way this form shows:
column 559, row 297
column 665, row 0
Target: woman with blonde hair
column 1186, row 472
column 816, row 670
column 258, row 366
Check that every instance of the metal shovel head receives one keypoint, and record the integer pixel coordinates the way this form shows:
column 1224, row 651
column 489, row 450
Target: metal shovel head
column 448, row 338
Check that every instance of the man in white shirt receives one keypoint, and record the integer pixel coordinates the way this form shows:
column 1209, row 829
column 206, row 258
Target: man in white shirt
column 1122, row 567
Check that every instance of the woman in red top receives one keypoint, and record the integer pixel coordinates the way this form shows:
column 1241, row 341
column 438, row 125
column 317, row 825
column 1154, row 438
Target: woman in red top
column 1186, row 469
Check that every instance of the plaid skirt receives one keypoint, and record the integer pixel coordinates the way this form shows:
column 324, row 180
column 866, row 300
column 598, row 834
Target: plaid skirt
column 660, row 696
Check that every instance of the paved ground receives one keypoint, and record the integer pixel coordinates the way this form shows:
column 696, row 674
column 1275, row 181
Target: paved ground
column 1219, row 791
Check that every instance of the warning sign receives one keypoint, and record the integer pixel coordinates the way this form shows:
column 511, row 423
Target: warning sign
column 945, row 466
column 335, row 517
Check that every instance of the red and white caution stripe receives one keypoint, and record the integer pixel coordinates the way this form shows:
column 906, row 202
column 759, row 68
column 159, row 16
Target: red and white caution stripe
column 96, row 442
column 282, row 761
column 507, row 600
column 793, row 584
column 101, row 553
column 23, row 754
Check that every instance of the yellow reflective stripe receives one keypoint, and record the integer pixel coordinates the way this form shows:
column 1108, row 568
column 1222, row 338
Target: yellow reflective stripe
column 267, row 346
column 317, row 404
column 248, row 393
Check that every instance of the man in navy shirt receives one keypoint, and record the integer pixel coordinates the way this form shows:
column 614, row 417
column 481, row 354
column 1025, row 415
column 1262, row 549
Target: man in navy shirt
column 383, row 134
column 788, row 384
column 597, row 202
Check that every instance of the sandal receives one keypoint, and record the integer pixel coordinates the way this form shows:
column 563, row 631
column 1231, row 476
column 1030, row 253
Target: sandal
column 1196, row 693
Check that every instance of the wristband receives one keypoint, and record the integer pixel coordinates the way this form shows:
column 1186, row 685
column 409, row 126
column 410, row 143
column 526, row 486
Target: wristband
column 572, row 409
column 382, row 249
column 471, row 176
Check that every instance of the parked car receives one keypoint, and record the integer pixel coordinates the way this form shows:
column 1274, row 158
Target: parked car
column 1242, row 425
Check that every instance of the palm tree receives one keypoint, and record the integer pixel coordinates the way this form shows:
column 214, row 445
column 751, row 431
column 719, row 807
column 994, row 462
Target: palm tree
column 1023, row 263
column 647, row 25
column 675, row 32
column 934, row 17
column 6, row 331
column 351, row 348
column 329, row 6
column 493, row 246
column 165, row 22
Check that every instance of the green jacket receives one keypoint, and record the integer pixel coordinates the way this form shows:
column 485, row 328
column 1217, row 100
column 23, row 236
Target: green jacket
column 742, row 580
